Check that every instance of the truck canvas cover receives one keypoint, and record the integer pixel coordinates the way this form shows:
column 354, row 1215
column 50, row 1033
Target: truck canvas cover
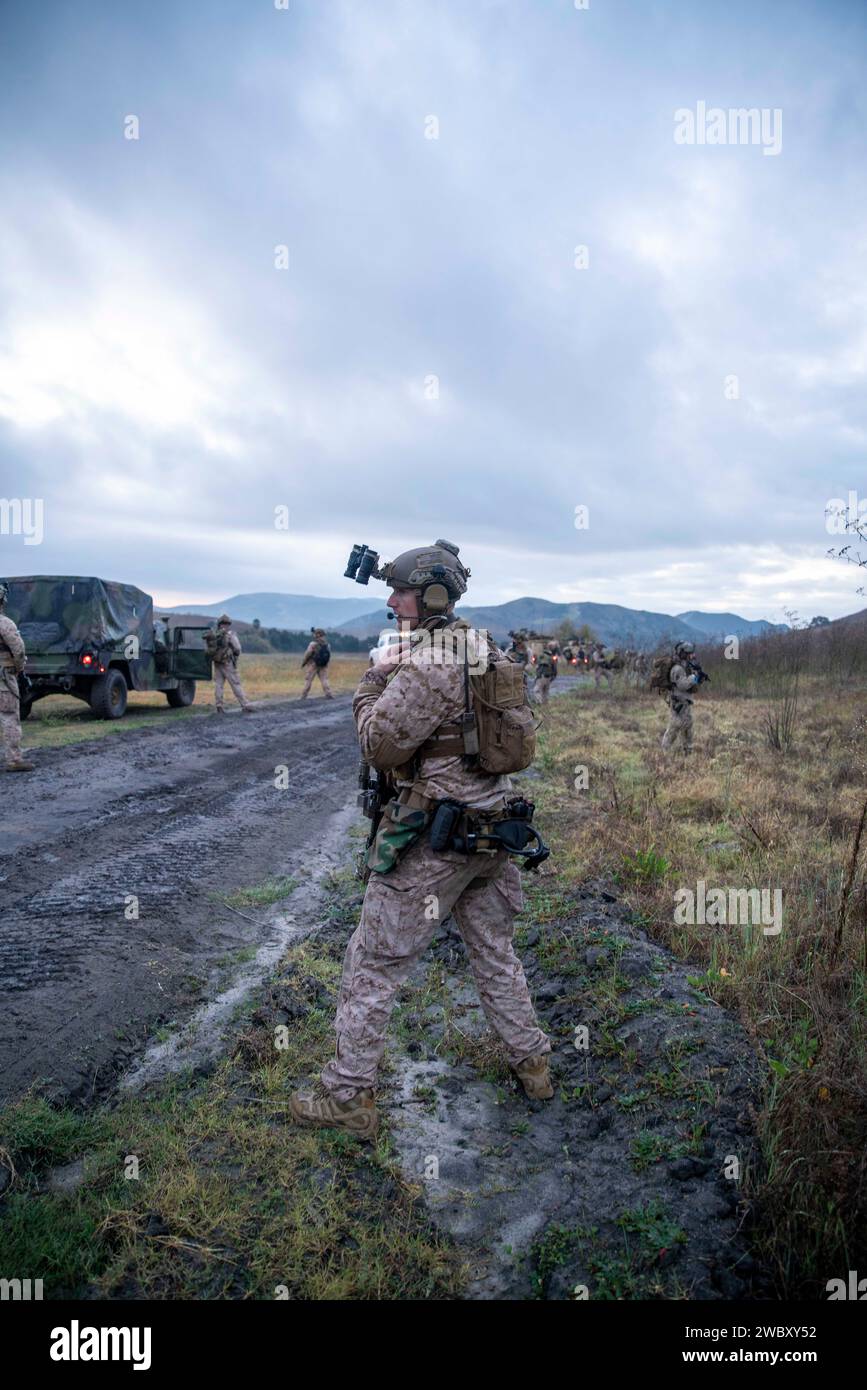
column 62, row 613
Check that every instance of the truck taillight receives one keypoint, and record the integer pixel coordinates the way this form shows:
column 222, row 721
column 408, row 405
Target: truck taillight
column 87, row 659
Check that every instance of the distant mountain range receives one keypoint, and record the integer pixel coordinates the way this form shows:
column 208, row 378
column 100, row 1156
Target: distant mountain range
column 613, row 624
column 295, row 612
column 617, row 626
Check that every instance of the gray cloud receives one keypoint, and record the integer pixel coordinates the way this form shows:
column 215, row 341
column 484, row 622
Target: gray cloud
column 164, row 387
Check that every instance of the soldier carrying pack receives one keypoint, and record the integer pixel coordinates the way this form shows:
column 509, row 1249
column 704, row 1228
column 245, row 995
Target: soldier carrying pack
column 660, row 674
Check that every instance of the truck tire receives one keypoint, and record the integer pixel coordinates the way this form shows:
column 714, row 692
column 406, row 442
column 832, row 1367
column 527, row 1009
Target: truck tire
column 108, row 696
column 183, row 696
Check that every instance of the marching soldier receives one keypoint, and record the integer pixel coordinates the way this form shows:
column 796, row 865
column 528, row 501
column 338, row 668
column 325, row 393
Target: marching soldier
column 600, row 659
column 682, row 681
column 316, row 658
column 224, row 648
column 12, row 659
column 409, row 714
column 546, row 672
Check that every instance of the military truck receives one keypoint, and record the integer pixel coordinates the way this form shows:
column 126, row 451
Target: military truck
column 98, row 639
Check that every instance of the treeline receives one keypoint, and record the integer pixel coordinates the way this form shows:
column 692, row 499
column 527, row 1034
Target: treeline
column 256, row 638
column 836, row 652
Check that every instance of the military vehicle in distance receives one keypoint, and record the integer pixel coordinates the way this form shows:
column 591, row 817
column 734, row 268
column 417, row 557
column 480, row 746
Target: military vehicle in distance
column 97, row 639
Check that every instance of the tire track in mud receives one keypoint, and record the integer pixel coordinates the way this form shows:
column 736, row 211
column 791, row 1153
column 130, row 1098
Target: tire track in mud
column 175, row 818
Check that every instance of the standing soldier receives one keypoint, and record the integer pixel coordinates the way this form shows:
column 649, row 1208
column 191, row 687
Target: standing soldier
column 546, row 672
column 600, row 659
column 12, row 659
column 316, row 658
column 224, row 649
column 413, row 716
column 682, row 681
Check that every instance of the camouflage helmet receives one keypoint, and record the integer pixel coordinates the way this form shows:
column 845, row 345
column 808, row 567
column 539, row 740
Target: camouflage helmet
column 435, row 570
column 684, row 648
column 318, row 631
column 224, row 618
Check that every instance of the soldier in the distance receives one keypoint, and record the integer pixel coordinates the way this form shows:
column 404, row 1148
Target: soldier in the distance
column 224, row 648
column 12, row 659
column 316, row 659
column 546, row 672
column 682, row 681
column 600, row 660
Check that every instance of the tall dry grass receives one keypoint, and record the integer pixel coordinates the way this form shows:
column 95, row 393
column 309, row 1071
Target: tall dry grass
column 741, row 813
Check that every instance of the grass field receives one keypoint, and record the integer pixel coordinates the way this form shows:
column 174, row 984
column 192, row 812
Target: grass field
column 60, row 719
column 739, row 814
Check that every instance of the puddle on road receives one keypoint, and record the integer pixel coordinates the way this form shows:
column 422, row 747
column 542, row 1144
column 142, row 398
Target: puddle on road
column 293, row 918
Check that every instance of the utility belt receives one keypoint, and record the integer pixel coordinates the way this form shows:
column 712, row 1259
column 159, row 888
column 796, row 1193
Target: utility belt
column 455, row 827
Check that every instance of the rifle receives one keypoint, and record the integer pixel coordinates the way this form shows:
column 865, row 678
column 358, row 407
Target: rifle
column 702, row 675
column 25, row 688
column 376, row 790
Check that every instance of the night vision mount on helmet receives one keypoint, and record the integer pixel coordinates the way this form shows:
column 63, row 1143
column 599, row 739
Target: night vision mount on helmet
column 433, row 570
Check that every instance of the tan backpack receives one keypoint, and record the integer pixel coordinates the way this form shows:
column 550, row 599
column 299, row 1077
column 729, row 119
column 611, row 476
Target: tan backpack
column 660, row 674
column 504, row 719
column 497, row 732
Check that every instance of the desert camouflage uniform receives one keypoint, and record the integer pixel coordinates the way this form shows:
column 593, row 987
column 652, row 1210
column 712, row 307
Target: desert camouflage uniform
column 679, row 729
column 311, row 670
column 546, row 672
column 394, row 714
column 225, row 669
column 12, row 658
column 597, row 660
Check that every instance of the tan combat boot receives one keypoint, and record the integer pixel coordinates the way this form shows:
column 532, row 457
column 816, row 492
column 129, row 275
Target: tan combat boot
column 20, row 765
column 319, row 1107
column 535, row 1077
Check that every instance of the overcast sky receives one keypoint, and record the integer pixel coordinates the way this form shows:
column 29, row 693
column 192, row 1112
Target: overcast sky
column 165, row 385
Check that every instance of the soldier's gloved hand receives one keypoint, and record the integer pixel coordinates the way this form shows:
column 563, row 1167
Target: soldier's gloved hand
column 378, row 675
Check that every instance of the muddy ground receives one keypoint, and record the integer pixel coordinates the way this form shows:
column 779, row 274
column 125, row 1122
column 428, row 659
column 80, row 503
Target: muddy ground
column 178, row 818
column 620, row 1185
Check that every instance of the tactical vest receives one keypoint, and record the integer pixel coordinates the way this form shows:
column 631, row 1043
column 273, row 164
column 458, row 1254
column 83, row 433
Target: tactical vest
column 218, row 647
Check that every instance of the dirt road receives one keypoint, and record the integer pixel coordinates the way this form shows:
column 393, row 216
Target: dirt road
column 165, row 824
column 176, row 819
